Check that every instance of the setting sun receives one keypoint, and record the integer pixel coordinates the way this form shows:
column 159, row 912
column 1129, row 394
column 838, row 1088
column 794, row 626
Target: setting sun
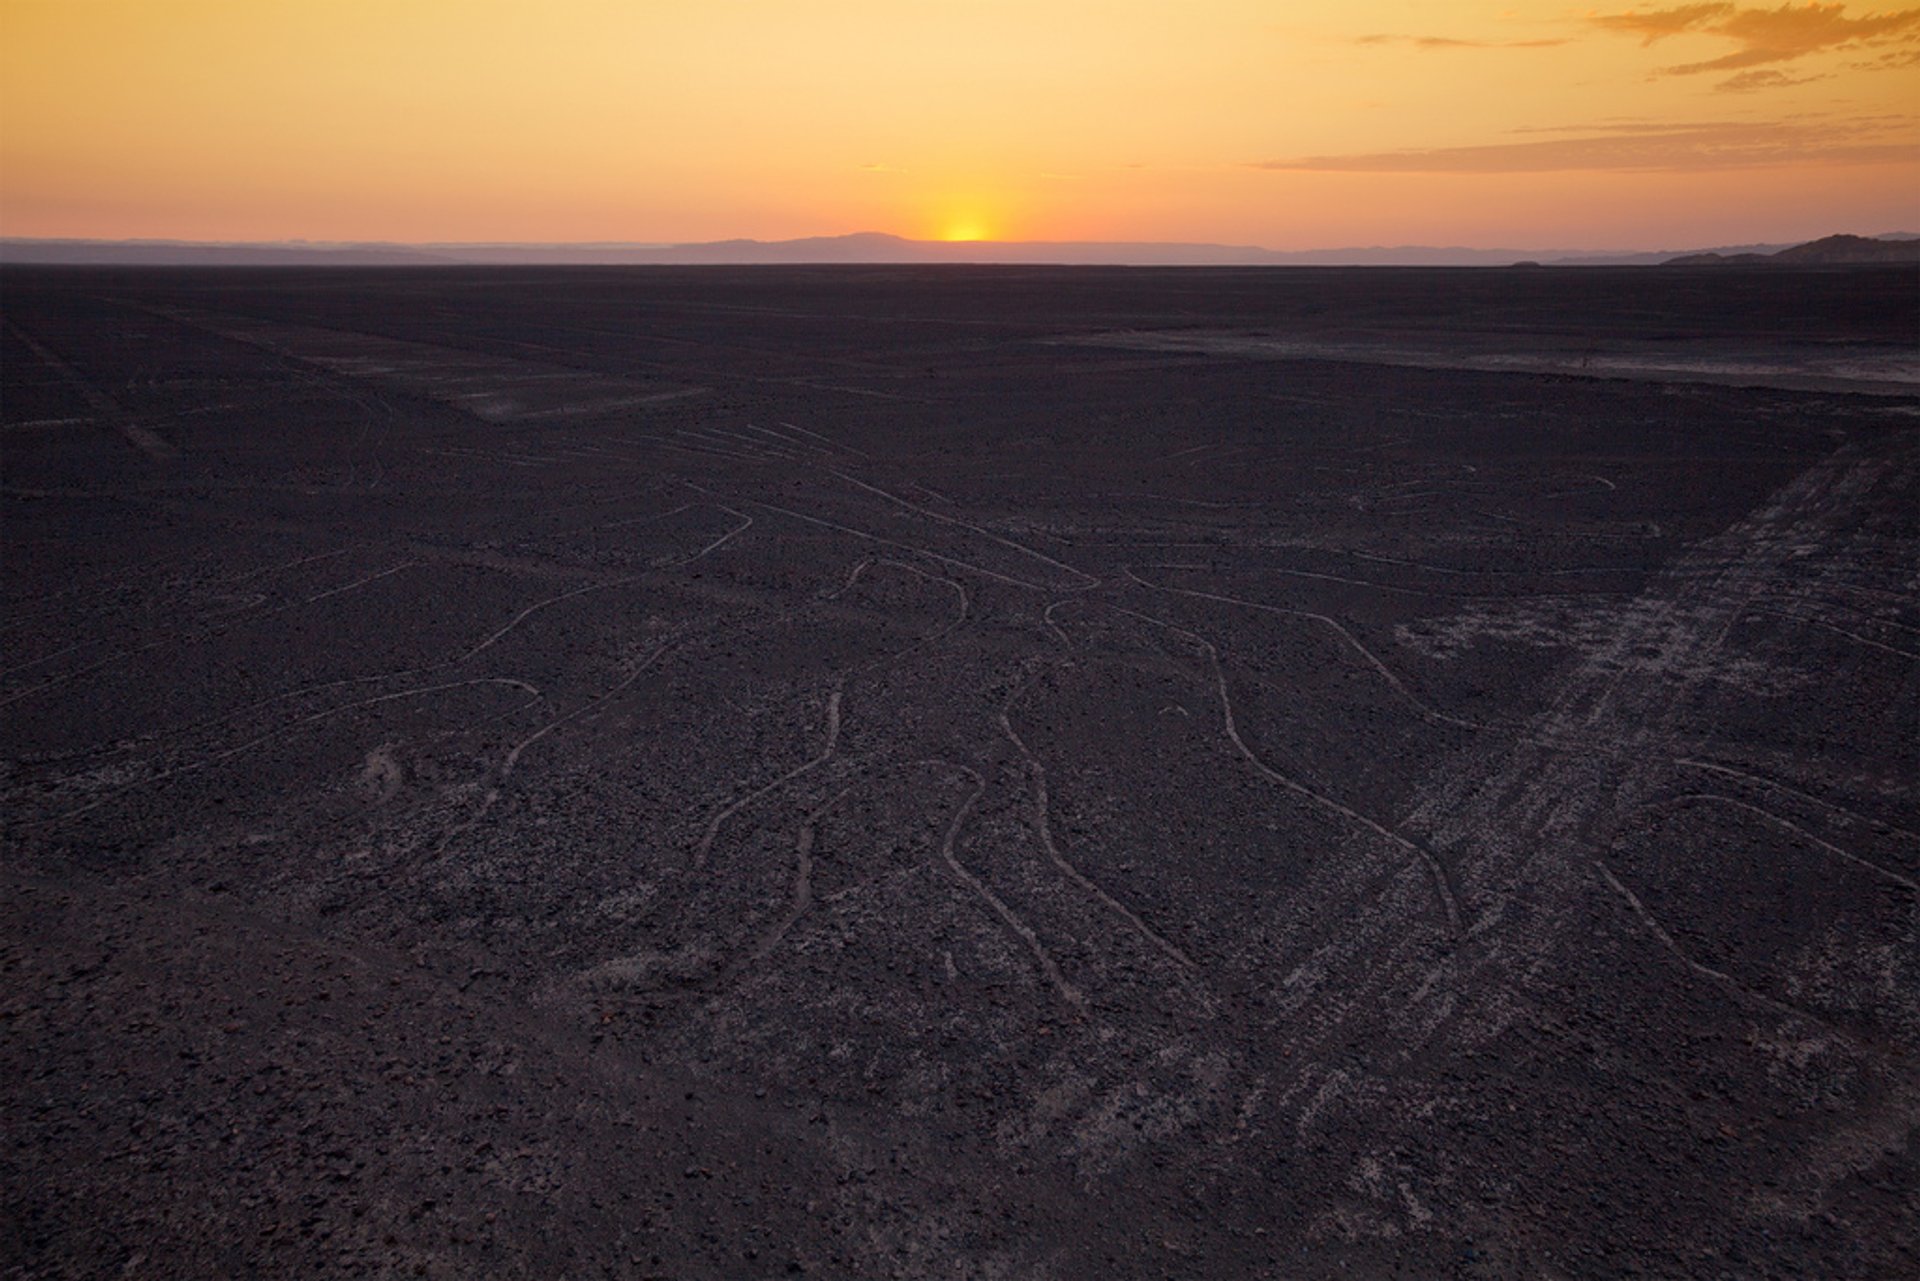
column 964, row 229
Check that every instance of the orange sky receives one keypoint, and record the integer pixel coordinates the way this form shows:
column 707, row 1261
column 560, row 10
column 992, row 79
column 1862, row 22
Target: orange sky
column 1290, row 125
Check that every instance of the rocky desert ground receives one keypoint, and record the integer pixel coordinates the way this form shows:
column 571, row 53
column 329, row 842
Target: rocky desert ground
column 951, row 773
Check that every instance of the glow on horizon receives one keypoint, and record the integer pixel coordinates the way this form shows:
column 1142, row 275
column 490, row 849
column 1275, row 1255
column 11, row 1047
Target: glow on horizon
column 1515, row 123
column 965, row 229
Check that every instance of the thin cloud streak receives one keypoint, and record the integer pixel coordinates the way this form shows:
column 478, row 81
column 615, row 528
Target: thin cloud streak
column 1645, row 149
column 1765, row 36
column 1762, row 78
column 1450, row 42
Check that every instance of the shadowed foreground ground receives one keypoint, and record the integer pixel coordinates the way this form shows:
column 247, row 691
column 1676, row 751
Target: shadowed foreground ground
column 926, row 773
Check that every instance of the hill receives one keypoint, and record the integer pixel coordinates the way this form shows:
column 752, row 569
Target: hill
column 1828, row 251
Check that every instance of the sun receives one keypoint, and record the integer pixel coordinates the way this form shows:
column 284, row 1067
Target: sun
column 964, row 228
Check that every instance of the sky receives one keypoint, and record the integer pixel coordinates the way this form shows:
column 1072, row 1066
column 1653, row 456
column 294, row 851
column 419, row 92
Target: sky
column 1310, row 124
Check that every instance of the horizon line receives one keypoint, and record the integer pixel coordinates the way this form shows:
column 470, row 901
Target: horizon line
column 860, row 248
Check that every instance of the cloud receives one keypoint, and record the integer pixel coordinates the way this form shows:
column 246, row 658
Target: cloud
column 1644, row 148
column 1890, row 61
column 1658, row 24
column 1449, row 42
column 1764, row 36
column 1764, row 78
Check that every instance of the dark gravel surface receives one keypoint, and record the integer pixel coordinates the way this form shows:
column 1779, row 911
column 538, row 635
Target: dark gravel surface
column 950, row 774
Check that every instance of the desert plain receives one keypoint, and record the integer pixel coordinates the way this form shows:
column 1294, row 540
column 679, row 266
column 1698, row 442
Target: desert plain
column 952, row 773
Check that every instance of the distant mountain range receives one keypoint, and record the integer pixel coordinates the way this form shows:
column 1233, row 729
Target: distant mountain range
column 879, row 248
column 1833, row 250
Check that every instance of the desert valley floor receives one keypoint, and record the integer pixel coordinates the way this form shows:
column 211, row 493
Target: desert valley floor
column 710, row 773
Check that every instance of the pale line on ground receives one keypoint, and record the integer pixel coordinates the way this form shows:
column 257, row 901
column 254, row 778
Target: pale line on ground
column 705, row 848
column 1386, row 673
column 828, row 439
column 802, row 875
column 1771, row 817
column 144, row 439
column 118, row 656
column 1066, row 866
column 1820, row 622
column 1442, row 889
column 217, row 757
column 335, row 591
column 888, row 542
column 537, row 606
column 788, row 440
column 1047, row 618
column 1022, row 548
column 1726, row 982
column 1729, row 771
column 1068, row 993
column 966, row 598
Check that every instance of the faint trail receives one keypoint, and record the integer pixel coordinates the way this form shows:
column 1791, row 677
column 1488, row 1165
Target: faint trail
column 512, row 757
column 1576, row 571
column 377, row 676
column 1695, row 763
column 757, row 449
column 828, row 439
column 933, row 493
column 1047, row 618
column 1177, row 501
column 802, row 874
column 618, row 524
column 304, row 721
column 192, row 634
column 705, row 848
column 1225, row 451
column 789, row 442
column 1060, row 861
column 1425, row 710
column 362, row 582
column 1881, row 593
column 1796, row 829
column 1535, row 823
column 1442, row 888
column 144, row 439
column 888, row 542
column 284, row 565
column 851, row 391
column 1726, row 982
column 1068, row 993
column 853, row 576
column 537, row 606
column 1367, row 582
column 1373, row 660
column 1022, row 548
column 1569, row 493
column 604, row 406
column 704, row 451
column 966, row 601
column 1870, row 617
column 499, row 456
column 671, row 563
column 1821, row 622
column 746, row 523
column 44, row 658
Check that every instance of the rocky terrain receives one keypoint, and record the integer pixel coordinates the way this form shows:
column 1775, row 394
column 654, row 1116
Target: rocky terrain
column 920, row 773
